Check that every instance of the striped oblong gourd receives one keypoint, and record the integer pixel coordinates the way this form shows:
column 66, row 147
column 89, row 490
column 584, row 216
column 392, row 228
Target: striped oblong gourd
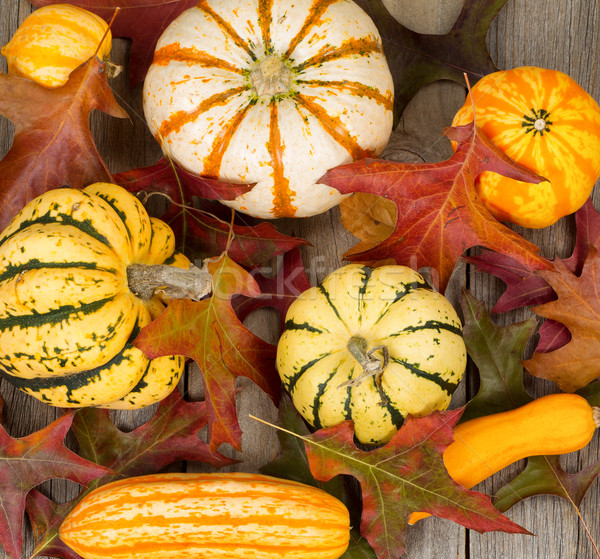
column 68, row 317
column 215, row 515
column 273, row 93
column 53, row 41
column 371, row 346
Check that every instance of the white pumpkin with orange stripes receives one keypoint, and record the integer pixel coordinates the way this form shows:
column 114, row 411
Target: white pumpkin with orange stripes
column 272, row 93
column 215, row 515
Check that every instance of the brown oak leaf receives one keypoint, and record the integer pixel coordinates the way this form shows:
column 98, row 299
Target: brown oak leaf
column 405, row 475
column 52, row 145
column 210, row 333
column 29, row 461
column 577, row 363
column 440, row 215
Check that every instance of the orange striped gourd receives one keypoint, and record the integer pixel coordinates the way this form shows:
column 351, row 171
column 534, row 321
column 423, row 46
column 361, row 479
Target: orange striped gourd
column 53, row 41
column 544, row 120
column 270, row 92
column 207, row 515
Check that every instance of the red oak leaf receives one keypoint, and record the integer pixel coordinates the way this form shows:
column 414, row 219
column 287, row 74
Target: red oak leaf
column 278, row 291
column 577, row 307
column 50, row 123
column 29, row 461
column 178, row 183
column 209, row 332
column 139, row 20
column 404, row 476
column 46, row 516
column 439, row 213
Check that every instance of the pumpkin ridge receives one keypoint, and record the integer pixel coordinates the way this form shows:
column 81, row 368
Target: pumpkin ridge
column 313, row 18
column 323, row 290
column 13, row 270
column 352, row 47
column 226, row 27
column 190, row 55
column 445, row 385
column 334, row 126
column 428, row 325
column 321, row 388
column 85, row 226
column 265, row 8
column 291, row 382
column 282, row 194
column 408, row 288
column 291, row 325
column 179, row 119
column 354, row 88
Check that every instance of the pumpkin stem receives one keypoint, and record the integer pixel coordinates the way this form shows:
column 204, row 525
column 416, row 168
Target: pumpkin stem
column 372, row 365
column 147, row 280
column 271, row 76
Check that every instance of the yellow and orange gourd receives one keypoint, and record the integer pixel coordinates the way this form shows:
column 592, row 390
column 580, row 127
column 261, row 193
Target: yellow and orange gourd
column 53, row 41
column 544, row 120
column 212, row 516
column 68, row 316
column 273, row 94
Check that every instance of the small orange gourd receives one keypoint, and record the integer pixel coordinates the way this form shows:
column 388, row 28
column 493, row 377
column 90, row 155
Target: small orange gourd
column 53, row 41
column 550, row 425
column 544, row 120
column 215, row 515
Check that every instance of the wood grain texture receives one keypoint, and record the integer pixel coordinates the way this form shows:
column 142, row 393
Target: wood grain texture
column 558, row 34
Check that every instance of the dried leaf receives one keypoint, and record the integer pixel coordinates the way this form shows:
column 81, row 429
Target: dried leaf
column 278, row 291
column 577, row 363
column 440, row 215
column 416, row 59
column 177, row 183
column 497, row 352
column 29, row 461
column 404, row 476
column 209, row 332
column 544, row 475
column 50, row 123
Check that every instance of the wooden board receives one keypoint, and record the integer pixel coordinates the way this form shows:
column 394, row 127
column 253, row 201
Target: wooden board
column 559, row 34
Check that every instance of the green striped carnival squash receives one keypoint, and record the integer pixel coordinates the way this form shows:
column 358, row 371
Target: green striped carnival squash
column 371, row 346
column 273, row 93
column 214, row 515
column 68, row 315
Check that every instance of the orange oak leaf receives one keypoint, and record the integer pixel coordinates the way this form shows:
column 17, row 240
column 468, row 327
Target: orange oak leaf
column 210, row 333
column 405, row 475
column 577, row 363
column 29, row 461
column 440, row 215
column 53, row 145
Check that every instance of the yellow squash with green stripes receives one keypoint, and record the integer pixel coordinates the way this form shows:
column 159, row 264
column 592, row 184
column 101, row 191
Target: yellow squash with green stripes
column 372, row 346
column 67, row 314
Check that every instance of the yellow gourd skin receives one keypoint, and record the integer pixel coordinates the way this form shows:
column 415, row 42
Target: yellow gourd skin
column 53, row 41
column 207, row 516
column 545, row 121
column 550, row 425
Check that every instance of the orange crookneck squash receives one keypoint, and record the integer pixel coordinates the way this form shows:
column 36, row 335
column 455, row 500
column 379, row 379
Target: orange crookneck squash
column 544, row 120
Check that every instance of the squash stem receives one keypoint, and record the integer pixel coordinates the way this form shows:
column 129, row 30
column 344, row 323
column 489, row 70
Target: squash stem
column 372, row 365
column 147, row 280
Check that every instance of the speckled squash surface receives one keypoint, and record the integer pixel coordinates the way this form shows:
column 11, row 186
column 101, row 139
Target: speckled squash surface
column 273, row 93
column 53, row 41
column 544, row 120
column 207, row 516
column 67, row 315
column 391, row 311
